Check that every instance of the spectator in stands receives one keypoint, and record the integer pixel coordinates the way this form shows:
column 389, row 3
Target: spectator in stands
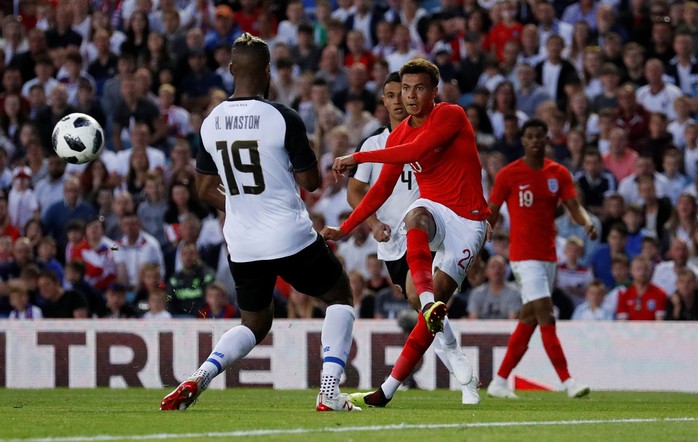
column 532, row 49
column 22, row 202
column 677, row 128
column 472, row 65
column 376, row 280
column 683, row 68
column 683, row 305
column 152, row 209
column 117, row 306
column 72, row 206
column 384, row 34
column 88, row 103
column 658, row 140
column 149, row 280
column 49, row 190
column 57, row 302
column 620, row 160
column 505, row 30
column 140, row 135
column 657, row 209
column 629, row 186
column 676, row 181
column 601, row 261
column 572, row 278
column 684, row 219
column 22, row 308
column 642, row 300
column 54, row 112
column 157, row 305
column 504, row 103
column 104, row 65
column 594, row 181
column 75, row 280
column 555, row 72
column 529, row 94
column 46, row 256
column 658, row 95
column 580, row 116
column 632, row 116
column 592, row 309
column 217, row 304
column 390, row 302
column 496, row 298
column 135, row 248
column 364, row 299
column 135, row 109
column 42, row 75
column 187, row 286
column 665, row 273
column 609, row 76
column 61, row 33
column 97, row 252
column 357, row 76
column 403, row 49
column 195, row 86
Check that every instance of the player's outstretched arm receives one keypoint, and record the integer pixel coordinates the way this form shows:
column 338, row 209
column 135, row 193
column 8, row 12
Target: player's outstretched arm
column 580, row 216
column 450, row 123
column 207, row 186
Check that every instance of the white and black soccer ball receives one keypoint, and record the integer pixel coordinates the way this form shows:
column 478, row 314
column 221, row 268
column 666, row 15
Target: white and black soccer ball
column 78, row 138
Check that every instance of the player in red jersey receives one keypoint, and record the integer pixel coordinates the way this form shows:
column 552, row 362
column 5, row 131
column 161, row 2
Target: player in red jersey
column 450, row 218
column 532, row 187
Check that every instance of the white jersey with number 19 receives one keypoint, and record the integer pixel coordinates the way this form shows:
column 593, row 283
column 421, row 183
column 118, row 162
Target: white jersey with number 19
column 255, row 146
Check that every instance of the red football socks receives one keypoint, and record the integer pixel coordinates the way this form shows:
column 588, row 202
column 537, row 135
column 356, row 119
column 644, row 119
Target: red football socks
column 419, row 260
column 554, row 349
column 417, row 343
column 518, row 344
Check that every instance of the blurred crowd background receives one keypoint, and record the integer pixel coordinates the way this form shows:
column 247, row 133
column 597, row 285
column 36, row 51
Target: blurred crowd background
column 126, row 236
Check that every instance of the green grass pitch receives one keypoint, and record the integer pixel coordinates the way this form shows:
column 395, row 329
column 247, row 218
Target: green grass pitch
column 415, row 415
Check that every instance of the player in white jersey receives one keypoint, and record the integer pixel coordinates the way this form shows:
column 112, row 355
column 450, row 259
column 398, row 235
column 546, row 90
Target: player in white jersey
column 258, row 152
column 392, row 248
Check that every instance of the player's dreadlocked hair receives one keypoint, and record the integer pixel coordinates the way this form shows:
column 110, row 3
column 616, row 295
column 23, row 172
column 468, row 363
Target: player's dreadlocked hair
column 251, row 47
column 422, row 66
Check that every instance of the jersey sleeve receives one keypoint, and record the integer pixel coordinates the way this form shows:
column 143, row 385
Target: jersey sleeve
column 500, row 190
column 375, row 197
column 204, row 161
column 567, row 188
column 296, row 141
column 450, row 123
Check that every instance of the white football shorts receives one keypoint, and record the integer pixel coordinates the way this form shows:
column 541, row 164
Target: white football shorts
column 457, row 240
column 535, row 278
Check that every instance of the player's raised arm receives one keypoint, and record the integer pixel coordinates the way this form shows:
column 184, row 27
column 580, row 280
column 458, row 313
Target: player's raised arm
column 451, row 120
column 356, row 190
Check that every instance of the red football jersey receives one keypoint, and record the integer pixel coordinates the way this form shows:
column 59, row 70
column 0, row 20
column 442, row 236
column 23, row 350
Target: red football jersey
column 532, row 197
column 642, row 308
column 444, row 158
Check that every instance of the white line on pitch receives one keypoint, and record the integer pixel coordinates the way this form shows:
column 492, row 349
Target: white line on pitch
column 250, row 433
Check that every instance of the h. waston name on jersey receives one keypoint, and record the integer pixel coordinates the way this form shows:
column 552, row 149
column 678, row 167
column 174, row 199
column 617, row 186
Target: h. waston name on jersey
column 238, row 122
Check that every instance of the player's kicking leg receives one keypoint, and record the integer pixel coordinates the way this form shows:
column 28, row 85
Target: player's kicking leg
column 419, row 340
column 421, row 229
column 235, row 344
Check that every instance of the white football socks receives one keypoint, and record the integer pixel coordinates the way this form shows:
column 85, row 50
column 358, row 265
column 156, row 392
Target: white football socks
column 426, row 298
column 390, row 386
column 336, row 343
column 235, row 344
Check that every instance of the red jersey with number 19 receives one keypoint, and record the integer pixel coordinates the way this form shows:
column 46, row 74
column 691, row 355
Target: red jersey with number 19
column 444, row 158
column 532, row 197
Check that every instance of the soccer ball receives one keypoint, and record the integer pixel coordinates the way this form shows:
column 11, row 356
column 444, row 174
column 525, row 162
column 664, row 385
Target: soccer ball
column 78, row 138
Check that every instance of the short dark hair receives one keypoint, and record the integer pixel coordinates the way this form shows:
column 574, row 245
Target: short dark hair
column 534, row 122
column 422, row 66
column 393, row 77
column 77, row 266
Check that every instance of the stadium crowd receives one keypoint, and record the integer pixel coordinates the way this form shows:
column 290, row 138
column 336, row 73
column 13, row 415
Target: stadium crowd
column 616, row 81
